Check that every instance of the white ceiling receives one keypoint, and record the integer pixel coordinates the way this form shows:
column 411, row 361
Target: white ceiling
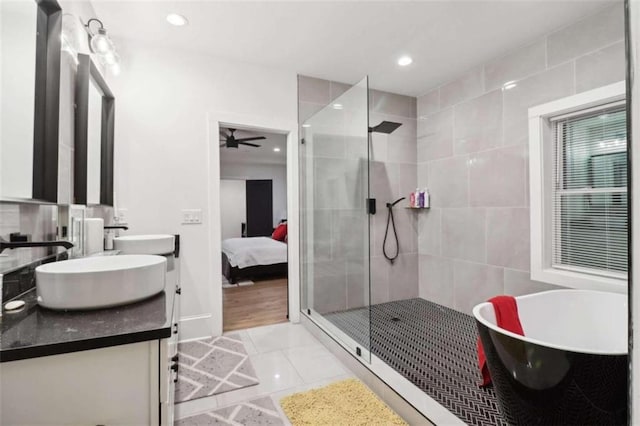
column 251, row 155
column 346, row 40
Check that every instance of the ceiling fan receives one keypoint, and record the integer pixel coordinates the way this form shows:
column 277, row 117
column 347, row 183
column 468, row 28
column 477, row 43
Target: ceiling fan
column 230, row 140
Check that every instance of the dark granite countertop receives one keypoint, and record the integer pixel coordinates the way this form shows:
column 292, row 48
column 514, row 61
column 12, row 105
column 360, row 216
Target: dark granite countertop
column 35, row 331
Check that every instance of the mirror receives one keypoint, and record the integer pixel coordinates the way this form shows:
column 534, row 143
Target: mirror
column 30, row 34
column 93, row 183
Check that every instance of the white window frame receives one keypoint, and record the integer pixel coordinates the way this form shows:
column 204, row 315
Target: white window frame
column 541, row 152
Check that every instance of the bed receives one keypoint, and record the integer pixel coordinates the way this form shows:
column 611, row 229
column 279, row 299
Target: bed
column 253, row 257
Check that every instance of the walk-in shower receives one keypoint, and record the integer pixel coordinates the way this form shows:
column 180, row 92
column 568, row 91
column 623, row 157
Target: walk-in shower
column 359, row 268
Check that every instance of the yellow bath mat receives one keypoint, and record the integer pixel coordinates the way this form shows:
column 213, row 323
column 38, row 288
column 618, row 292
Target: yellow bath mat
column 348, row 402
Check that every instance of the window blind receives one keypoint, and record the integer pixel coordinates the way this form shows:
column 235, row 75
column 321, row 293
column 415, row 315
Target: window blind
column 590, row 214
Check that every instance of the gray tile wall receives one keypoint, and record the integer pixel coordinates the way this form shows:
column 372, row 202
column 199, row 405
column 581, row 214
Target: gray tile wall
column 473, row 157
column 338, row 272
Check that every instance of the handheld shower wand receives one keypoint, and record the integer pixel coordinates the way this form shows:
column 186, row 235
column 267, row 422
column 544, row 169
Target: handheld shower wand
column 391, row 221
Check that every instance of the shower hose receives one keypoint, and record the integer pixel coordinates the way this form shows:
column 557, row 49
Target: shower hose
column 391, row 221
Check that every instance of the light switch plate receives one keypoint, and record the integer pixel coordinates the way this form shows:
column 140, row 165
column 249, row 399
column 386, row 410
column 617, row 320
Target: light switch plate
column 191, row 216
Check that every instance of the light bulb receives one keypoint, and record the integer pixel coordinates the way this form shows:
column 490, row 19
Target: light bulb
column 109, row 58
column 101, row 43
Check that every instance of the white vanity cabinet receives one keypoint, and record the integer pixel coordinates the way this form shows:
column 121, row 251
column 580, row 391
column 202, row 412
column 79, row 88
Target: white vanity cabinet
column 119, row 385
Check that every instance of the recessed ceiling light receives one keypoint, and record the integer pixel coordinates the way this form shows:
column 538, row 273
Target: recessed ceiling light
column 403, row 61
column 177, row 20
column 337, row 106
column 276, row 149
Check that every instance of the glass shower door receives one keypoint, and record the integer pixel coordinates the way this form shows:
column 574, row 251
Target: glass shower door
column 334, row 182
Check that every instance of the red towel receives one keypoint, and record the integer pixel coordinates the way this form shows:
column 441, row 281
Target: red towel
column 506, row 310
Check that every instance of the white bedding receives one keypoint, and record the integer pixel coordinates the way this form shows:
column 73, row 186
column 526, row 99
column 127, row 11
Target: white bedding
column 253, row 251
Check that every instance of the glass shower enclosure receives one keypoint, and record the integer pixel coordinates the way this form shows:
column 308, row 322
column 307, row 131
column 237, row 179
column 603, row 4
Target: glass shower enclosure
column 334, row 237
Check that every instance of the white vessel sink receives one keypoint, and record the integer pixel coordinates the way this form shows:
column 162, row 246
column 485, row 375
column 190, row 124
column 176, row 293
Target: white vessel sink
column 99, row 282
column 144, row 244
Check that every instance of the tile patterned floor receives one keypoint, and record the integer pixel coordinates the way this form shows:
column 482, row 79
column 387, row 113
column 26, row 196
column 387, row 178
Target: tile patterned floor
column 212, row 366
column 258, row 412
column 287, row 359
column 432, row 346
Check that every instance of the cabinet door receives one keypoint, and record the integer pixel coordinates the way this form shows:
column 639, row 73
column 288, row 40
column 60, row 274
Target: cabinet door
column 109, row 386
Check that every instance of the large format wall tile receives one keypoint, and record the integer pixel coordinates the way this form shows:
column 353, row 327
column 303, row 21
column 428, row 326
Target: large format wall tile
column 428, row 103
column 328, row 145
column 585, row 36
column 474, row 283
column 521, row 63
column 340, row 168
column 436, row 279
column 478, row 123
column 449, row 182
column 468, row 86
column 508, row 238
column 497, row 177
column 600, row 68
column 357, row 283
column 329, row 286
column 464, row 234
column 379, row 279
column 436, row 136
column 401, row 149
column 430, row 232
column 403, row 277
column 518, row 283
column 480, row 190
column 314, row 90
column 550, row 85
column 322, row 234
column 394, row 104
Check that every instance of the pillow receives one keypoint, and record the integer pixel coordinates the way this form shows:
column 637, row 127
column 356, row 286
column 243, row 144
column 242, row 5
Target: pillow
column 280, row 232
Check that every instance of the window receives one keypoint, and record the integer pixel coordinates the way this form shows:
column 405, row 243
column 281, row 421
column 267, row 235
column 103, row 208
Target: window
column 579, row 213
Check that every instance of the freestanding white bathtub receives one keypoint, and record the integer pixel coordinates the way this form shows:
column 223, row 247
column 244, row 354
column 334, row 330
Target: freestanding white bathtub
column 570, row 367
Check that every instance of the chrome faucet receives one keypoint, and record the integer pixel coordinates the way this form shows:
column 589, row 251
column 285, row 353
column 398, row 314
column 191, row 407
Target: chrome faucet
column 19, row 244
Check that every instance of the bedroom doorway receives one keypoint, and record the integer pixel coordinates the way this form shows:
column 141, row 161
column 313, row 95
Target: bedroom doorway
column 253, row 220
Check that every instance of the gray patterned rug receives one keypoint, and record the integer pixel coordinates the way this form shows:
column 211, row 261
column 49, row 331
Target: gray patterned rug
column 259, row 412
column 212, row 366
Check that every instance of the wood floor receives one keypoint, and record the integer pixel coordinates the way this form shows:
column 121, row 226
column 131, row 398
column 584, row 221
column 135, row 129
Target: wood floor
column 263, row 303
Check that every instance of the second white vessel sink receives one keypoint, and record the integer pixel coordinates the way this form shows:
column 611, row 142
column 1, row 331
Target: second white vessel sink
column 144, row 244
column 99, row 282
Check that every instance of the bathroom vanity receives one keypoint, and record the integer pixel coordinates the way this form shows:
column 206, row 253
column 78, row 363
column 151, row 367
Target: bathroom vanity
column 111, row 366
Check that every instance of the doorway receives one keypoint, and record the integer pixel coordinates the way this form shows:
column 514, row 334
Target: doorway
column 253, row 224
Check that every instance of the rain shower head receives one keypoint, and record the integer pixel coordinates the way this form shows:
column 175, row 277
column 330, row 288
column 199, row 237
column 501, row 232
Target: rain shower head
column 385, row 127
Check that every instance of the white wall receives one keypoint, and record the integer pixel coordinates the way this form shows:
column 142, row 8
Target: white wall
column 233, row 207
column 277, row 173
column 163, row 98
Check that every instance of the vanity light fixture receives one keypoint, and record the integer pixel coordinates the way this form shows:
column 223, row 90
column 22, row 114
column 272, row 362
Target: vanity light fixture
column 276, row 149
column 405, row 60
column 102, row 45
column 177, row 20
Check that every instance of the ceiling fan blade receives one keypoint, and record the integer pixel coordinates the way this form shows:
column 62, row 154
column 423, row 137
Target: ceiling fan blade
column 256, row 138
column 223, row 144
column 248, row 144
